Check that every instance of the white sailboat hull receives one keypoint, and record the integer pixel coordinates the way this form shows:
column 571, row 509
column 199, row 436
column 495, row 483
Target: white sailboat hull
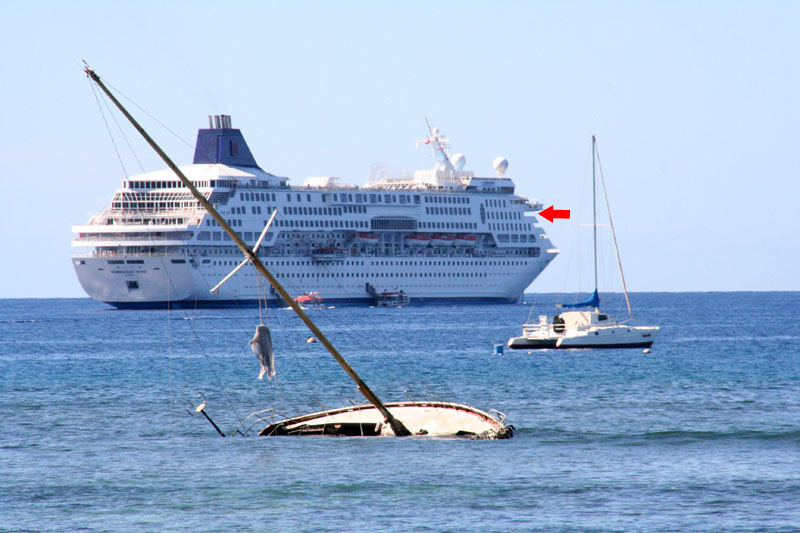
column 422, row 418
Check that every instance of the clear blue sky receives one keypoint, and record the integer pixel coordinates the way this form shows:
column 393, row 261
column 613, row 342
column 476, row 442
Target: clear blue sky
column 695, row 105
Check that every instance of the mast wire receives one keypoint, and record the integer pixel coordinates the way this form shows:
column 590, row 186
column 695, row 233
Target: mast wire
column 613, row 233
column 108, row 129
column 143, row 110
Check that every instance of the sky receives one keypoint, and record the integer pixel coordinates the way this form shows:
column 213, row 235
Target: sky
column 694, row 104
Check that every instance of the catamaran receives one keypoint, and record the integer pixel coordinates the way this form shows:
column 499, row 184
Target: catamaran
column 592, row 328
column 375, row 418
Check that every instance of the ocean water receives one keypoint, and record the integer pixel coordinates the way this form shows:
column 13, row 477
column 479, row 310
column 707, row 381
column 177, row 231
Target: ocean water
column 703, row 433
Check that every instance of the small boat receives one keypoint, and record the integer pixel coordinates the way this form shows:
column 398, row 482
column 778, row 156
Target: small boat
column 465, row 240
column 377, row 418
column 368, row 238
column 328, row 255
column 309, row 299
column 421, row 418
column 442, row 240
column 415, row 239
column 392, row 299
column 582, row 329
column 587, row 329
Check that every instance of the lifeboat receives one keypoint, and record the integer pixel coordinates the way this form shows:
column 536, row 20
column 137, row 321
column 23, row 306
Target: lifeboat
column 417, row 240
column 368, row 238
column 466, row 240
column 442, row 240
column 309, row 299
column 328, row 255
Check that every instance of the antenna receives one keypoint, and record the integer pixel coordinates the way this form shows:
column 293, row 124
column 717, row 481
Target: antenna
column 438, row 145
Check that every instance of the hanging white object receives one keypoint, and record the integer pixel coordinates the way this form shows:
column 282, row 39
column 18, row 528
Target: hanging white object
column 262, row 348
column 247, row 259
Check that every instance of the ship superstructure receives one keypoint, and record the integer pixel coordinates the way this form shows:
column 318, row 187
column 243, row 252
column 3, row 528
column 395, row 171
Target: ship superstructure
column 439, row 235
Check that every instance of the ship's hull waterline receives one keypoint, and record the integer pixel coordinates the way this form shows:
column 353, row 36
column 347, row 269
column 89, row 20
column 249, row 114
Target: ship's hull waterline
column 178, row 282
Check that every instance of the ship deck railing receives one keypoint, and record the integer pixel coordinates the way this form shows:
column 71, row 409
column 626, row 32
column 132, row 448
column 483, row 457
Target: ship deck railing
column 216, row 250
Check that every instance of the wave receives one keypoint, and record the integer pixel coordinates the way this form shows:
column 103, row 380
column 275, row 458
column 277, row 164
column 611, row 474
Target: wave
column 557, row 436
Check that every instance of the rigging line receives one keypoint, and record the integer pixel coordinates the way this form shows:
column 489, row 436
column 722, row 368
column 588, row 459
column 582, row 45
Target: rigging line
column 121, row 132
column 148, row 230
column 199, row 343
column 263, row 291
column 169, row 355
column 143, row 110
column 211, row 366
column 533, row 304
column 285, row 329
column 614, row 234
column 369, row 349
column 108, row 129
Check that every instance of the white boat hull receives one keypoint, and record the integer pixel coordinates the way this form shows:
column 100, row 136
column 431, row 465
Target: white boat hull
column 431, row 419
column 612, row 337
column 180, row 280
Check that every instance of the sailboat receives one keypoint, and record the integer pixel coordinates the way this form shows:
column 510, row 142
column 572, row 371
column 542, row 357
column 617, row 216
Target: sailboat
column 374, row 418
column 591, row 328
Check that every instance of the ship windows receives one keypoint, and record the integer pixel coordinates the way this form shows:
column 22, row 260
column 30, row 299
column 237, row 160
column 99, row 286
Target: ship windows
column 132, row 285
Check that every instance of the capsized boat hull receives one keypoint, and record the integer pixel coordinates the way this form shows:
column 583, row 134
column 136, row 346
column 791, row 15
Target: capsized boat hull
column 422, row 418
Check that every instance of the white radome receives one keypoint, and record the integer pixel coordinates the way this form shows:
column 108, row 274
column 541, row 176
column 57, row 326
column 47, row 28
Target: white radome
column 500, row 165
column 459, row 160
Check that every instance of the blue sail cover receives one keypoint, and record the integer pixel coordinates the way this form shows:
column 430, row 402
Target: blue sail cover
column 594, row 301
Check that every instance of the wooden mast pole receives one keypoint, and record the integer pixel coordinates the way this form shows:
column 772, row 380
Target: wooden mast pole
column 399, row 429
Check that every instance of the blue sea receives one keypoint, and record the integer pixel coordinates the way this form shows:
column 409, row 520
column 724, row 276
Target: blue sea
column 702, row 433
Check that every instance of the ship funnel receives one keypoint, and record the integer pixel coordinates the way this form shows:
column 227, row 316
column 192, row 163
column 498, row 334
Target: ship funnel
column 221, row 144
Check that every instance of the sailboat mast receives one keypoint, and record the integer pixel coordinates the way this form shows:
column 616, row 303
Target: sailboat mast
column 399, row 429
column 614, row 235
column 594, row 210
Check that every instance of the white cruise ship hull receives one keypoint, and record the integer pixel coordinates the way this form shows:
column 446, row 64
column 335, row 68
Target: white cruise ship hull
column 181, row 281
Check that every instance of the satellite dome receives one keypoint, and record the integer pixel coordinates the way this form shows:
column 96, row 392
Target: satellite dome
column 500, row 165
column 458, row 160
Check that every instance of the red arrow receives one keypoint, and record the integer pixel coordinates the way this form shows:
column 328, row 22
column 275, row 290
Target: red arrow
column 551, row 213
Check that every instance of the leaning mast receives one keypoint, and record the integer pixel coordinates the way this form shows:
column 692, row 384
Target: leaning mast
column 397, row 426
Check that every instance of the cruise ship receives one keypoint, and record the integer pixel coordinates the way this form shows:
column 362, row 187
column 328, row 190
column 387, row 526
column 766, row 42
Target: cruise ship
column 438, row 235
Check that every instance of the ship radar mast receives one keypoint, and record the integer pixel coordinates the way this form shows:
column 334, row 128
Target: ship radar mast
column 438, row 144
